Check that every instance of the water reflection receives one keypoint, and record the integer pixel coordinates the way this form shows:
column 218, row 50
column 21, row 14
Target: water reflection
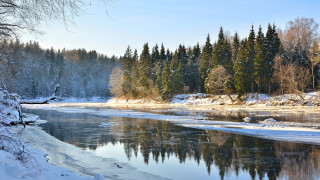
column 159, row 140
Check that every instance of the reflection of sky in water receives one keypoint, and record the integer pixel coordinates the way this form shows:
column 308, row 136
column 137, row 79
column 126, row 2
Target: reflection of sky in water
column 220, row 152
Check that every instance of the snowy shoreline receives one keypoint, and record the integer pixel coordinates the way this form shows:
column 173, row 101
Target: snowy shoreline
column 255, row 99
column 19, row 160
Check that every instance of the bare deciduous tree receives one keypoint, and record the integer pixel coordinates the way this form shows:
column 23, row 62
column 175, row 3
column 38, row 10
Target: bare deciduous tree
column 19, row 15
column 303, row 78
column 279, row 72
column 218, row 81
column 116, row 81
column 314, row 58
column 291, row 77
column 299, row 35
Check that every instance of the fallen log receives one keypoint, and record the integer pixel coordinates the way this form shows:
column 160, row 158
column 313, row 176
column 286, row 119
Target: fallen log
column 42, row 101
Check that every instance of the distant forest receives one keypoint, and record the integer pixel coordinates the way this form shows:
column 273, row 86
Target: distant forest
column 33, row 72
column 275, row 61
column 272, row 61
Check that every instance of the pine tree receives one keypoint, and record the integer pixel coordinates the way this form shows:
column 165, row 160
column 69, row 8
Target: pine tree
column 272, row 48
column 163, row 56
column 222, row 54
column 218, row 50
column 167, row 89
column 205, row 63
column 241, row 80
column 227, row 51
column 183, row 62
column 144, row 67
column 192, row 76
column 178, row 79
column 259, row 59
column 126, row 66
column 155, row 56
column 251, row 54
column 51, row 54
column 134, row 75
column 235, row 47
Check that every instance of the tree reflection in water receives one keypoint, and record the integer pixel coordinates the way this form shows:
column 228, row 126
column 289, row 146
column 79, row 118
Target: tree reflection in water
column 156, row 140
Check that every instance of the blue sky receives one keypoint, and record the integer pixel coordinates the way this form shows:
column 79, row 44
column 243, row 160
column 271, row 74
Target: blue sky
column 171, row 22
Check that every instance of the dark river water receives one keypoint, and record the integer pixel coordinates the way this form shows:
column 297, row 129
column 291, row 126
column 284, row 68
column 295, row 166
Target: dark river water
column 175, row 152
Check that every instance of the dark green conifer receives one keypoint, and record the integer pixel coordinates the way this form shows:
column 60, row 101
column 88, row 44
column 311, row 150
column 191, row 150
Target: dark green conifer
column 205, row 63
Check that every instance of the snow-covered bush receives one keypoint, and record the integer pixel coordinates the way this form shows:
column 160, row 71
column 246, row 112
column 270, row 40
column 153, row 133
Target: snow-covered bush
column 10, row 108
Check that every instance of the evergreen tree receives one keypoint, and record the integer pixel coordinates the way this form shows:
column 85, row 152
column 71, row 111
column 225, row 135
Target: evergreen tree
column 155, row 62
column 242, row 82
column 183, row 62
column 178, row 79
column 235, row 47
column 222, row 54
column 205, row 63
column 126, row 67
column 228, row 63
column 218, row 50
column 144, row 67
column 51, row 54
column 134, row 74
column 259, row 59
column 167, row 86
column 272, row 48
column 155, row 56
column 169, row 56
column 47, row 54
column 251, row 54
column 192, row 77
column 163, row 56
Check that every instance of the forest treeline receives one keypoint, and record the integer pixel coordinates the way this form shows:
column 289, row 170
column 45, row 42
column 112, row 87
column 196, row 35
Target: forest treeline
column 32, row 71
column 275, row 61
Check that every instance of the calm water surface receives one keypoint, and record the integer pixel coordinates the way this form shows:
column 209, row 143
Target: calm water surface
column 175, row 152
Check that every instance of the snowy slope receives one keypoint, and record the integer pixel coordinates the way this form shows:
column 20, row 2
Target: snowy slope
column 21, row 161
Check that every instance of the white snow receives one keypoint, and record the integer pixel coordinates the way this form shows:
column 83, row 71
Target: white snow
column 247, row 119
column 21, row 161
column 309, row 99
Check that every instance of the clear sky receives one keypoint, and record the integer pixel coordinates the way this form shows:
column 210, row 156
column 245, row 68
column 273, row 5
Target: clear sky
column 171, row 22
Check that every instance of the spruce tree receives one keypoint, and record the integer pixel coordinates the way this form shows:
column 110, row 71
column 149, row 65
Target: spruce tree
column 235, row 47
column 126, row 66
column 144, row 67
column 272, row 48
column 178, row 79
column 163, row 56
column 134, row 75
column 222, row 54
column 167, row 88
column 218, row 50
column 183, row 62
column 241, row 80
column 259, row 59
column 251, row 54
column 227, row 59
column 205, row 63
column 192, row 77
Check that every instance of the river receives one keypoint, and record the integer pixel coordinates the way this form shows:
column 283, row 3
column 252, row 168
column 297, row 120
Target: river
column 125, row 146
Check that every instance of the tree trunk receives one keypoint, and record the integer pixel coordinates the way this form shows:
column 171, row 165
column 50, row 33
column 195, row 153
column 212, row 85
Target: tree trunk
column 42, row 101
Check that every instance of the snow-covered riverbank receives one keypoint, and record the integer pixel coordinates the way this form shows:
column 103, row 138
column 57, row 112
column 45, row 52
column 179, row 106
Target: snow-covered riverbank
column 19, row 160
column 306, row 99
